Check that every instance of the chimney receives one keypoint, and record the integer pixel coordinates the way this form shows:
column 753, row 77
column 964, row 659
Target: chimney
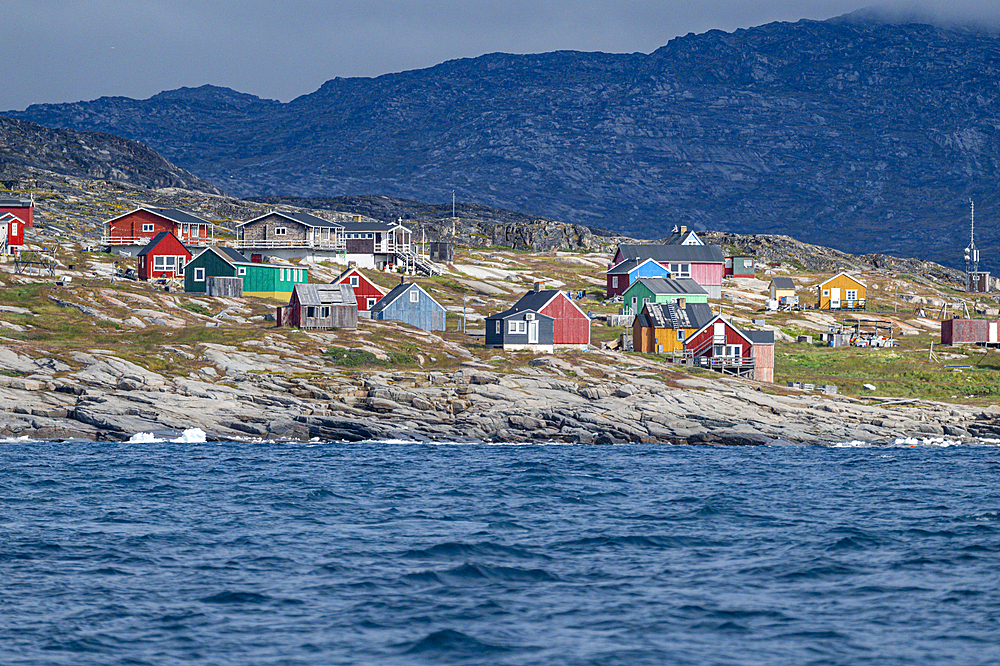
column 682, row 302
column 538, row 285
column 402, row 279
column 684, row 230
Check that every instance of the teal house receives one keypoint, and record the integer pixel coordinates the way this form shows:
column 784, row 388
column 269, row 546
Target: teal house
column 662, row 290
column 274, row 281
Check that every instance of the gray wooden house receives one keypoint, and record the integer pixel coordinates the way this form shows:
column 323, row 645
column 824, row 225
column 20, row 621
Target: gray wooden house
column 410, row 304
column 320, row 306
column 519, row 328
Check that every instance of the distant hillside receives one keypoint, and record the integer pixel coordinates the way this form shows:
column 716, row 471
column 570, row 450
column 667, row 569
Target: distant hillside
column 93, row 155
column 857, row 133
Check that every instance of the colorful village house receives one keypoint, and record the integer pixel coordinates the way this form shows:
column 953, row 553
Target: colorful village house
column 705, row 264
column 366, row 292
column 410, row 304
column 520, row 329
column 320, row 306
column 570, row 325
column 782, row 289
column 720, row 346
column 623, row 275
column 763, row 354
column 16, row 215
column 681, row 235
column 662, row 290
column 163, row 257
column 740, row 266
column 129, row 233
column 274, row 281
column 662, row 328
column 842, row 292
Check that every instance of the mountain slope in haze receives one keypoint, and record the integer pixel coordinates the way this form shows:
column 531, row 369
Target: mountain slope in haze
column 858, row 133
column 94, row 155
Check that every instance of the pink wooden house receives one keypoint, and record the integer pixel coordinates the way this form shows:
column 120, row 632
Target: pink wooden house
column 705, row 264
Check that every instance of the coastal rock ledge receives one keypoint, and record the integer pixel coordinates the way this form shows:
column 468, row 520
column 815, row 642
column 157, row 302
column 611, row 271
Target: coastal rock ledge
column 610, row 399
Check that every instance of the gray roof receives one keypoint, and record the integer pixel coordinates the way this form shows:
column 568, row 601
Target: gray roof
column 533, row 300
column 675, row 253
column 507, row 314
column 678, row 237
column 325, row 294
column 155, row 241
column 396, row 292
column 230, row 255
column 760, row 337
column 305, row 219
column 369, row 225
column 8, row 202
column 672, row 315
column 671, row 286
column 783, row 283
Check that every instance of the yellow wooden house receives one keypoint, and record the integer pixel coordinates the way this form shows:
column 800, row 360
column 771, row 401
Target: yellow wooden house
column 842, row 292
column 662, row 328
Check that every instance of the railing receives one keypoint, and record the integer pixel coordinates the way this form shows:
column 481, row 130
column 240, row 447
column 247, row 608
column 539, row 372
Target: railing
column 272, row 244
column 143, row 240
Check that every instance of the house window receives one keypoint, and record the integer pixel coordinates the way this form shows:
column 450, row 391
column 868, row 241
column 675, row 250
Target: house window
column 13, row 228
column 354, row 280
column 324, row 311
column 635, row 299
column 280, row 231
column 734, row 351
column 371, row 303
column 310, row 312
column 680, row 270
column 514, row 326
column 164, row 263
column 147, row 228
column 748, row 263
column 826, row 292
column 497, row 327
column 199, row 275
column 614, row 281
column 852, row 294
column 414, row 296
column 680, row 333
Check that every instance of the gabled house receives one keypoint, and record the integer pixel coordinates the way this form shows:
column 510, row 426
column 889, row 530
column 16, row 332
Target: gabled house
column 740, row 265
column 287, row 230
column 570, row 324
column 720, row 346
column 274, row 281
column 783, row 288
column 520, row 329
column 662, row 328
column 763, row 354
column 366, row 292
column 842, row 292
column 410, row 304
column 320, row 306
column 705, row 264
column 133, row 230
column 15, row 216
column 662, row 290
column 682, row 236
column 163, row 257
column 623, row 275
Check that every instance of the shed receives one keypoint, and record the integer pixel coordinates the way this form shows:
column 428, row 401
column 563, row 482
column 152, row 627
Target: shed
column 782, row 287
column 740, row 265
column 968, row 331
column 763, row 354
column 321, row 306
column 842, row 292
column 410, row 304
column 520, row 329
column 442, row 252
column 163, row 257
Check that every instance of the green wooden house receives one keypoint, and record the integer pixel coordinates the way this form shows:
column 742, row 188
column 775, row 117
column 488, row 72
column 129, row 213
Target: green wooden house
column 274, row 281
column 662, row 290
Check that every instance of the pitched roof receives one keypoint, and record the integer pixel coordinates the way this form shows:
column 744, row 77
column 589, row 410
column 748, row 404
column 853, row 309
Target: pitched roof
column 668, row 253
column 302, row 218
column 506, row 314
column 324, row 294
column 155, row 240
column 629, row 265
column 760, row 337
column 849, row 277
column 719, row 317
column 678, row 238
column 370, row 225
column 783, row 283
column 538, row 300
column 396, row 292
column 172, row 214
column 7, row 202
column 672, row 315
column 354, row 269
column 671, row 286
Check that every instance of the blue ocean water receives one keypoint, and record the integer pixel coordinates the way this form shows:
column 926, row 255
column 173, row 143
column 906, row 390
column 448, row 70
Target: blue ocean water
column 402, row 553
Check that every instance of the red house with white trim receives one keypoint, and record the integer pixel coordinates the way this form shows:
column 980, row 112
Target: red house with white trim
column 15, row 216
column 366, row 292
column 136, row 228
column 722, row 347
column 163, row 257
column 570, row 326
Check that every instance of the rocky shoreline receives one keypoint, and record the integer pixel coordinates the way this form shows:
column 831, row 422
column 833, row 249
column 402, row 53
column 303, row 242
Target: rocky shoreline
column 606, row 399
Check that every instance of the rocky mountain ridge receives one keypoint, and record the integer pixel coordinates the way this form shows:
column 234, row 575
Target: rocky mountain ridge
column 856, row 133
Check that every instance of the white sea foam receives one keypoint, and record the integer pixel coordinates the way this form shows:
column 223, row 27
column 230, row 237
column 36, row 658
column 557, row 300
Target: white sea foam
column 143, row 438
column 23, row 439
column 191, row 436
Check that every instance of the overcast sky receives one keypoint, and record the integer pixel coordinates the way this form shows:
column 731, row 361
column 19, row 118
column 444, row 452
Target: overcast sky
column 72, row 50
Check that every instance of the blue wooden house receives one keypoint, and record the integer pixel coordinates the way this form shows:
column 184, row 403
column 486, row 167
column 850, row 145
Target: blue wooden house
column 519, row 328
column 410, row 304
column 625, row 273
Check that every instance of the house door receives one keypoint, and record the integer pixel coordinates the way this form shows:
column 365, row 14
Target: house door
column 993, row 332
column 256, row 259
column 835, row 297
column 532, row 332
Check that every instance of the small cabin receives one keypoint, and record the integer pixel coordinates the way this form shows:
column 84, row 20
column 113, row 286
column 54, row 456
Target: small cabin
column 740, row 266
column 163, row 257
column 842, row 292
column 366, row 292
column 570, row 324
column 320, row 306
column 520, row 329
column 410, row 304
column 274, row 281
column 782, row 287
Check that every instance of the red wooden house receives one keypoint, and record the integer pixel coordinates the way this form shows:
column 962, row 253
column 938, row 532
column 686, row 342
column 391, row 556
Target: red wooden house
column 139, row 226
column 15, row 215
column 163, row 257
column 366, row 292
column 571, row 325
column 722, row 347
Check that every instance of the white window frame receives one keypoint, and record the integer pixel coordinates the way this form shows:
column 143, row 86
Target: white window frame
column 680, row 333
column 852, row 294
column 414, row 296
column 614, row 281
column 497, row 326
column 324, row 311
column 281, row 231
column 199, row 274
column 241, row 271
column 748, row 263
column 373, row 301
column 826, row 292
column 354, row 281
column 148, row 227
column 734, row 351
column 13, row 228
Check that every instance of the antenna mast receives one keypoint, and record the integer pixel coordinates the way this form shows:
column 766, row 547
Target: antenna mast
column 971, row 253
